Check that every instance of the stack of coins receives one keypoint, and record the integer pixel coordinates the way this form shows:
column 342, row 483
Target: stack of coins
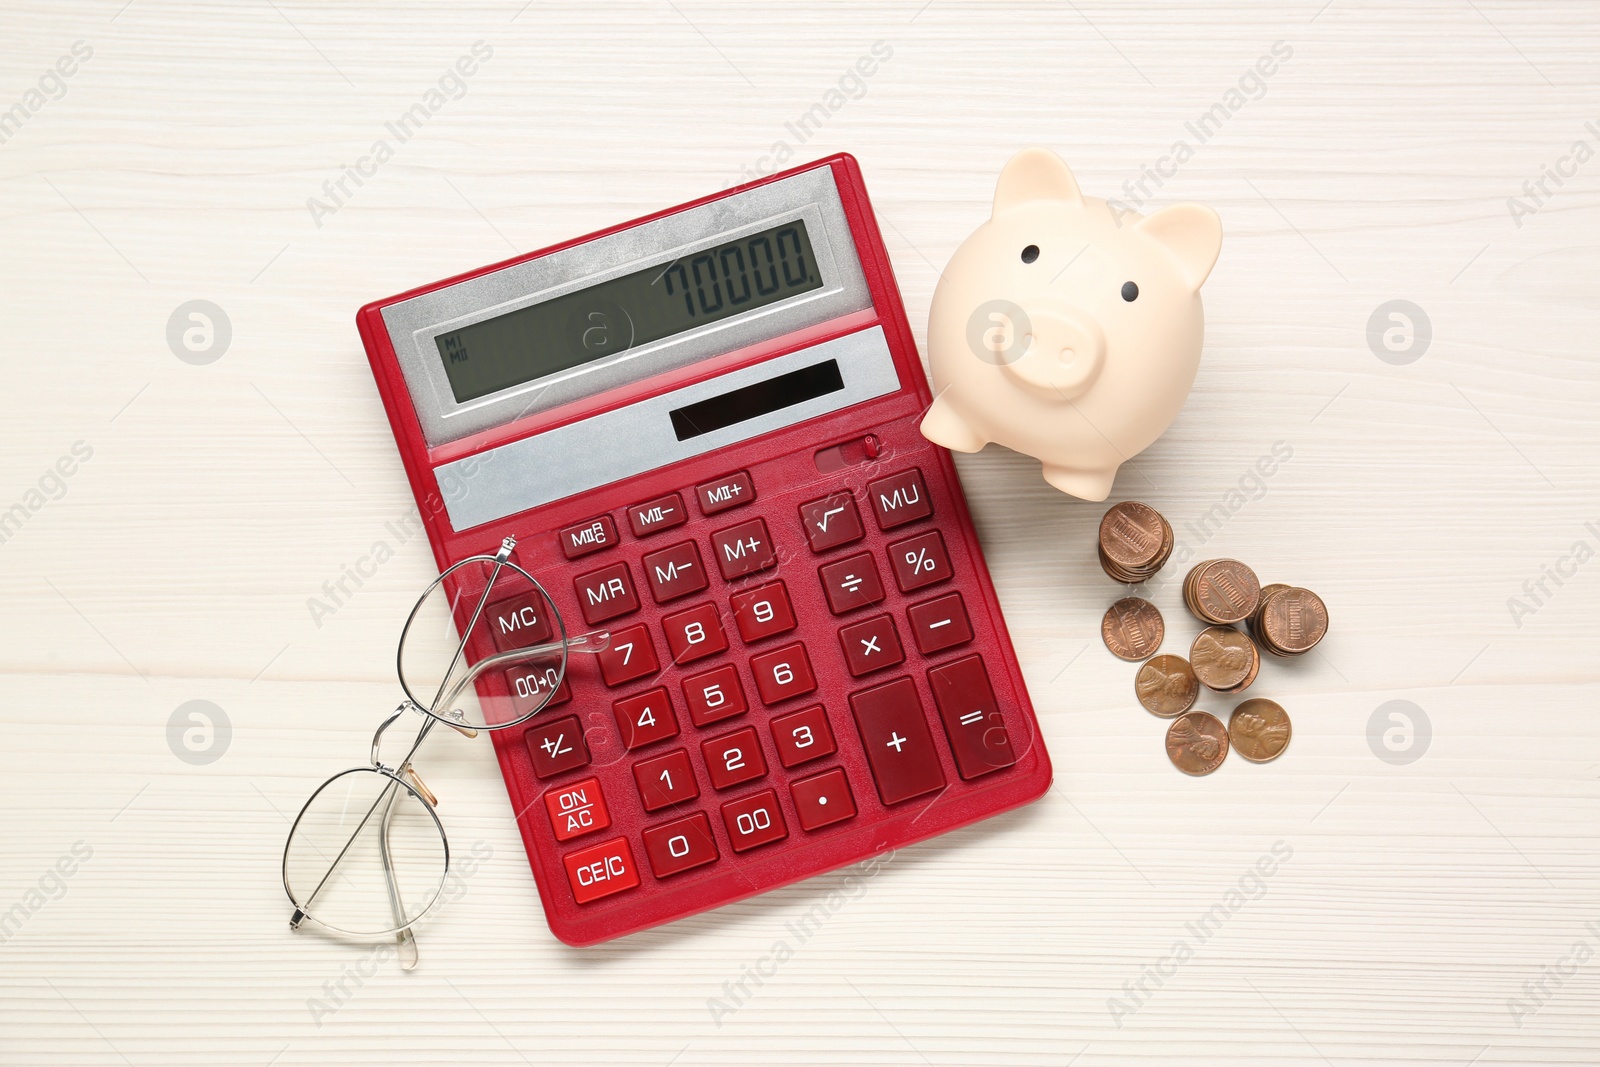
column 1289, row 621
column 1221, row 591
column 1224, row 659
column 1135, row 541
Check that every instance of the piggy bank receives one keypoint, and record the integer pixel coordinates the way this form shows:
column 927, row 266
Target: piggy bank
column 1066, row 328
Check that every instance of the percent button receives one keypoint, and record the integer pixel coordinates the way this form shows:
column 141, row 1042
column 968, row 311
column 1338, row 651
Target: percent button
column 919, row 561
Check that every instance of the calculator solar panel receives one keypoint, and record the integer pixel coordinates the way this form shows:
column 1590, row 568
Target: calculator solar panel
column 702, row 429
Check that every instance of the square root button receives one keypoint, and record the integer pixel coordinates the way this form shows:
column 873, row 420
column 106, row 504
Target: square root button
column 601, row 870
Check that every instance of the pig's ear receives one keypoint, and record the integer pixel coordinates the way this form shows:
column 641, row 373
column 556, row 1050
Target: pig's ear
column 1034, row 174
column 1191, row 233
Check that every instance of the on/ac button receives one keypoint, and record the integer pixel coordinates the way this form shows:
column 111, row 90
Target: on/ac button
column 729, row 491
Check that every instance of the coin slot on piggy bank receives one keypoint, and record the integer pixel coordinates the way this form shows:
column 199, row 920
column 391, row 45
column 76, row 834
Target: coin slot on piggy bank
column 1068, row 328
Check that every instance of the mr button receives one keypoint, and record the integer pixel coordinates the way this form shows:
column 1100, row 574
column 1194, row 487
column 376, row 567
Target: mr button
column 601, row 870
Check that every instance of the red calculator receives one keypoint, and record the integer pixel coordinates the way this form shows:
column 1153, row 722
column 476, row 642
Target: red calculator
column 701, row 427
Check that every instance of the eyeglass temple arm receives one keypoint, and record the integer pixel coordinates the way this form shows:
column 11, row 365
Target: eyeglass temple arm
column 405, row 940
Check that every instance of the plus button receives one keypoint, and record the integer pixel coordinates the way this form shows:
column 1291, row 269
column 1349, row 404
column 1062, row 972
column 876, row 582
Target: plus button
column 895, row 741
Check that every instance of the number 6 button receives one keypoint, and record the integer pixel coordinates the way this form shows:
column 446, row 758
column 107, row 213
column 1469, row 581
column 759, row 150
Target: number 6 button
column 783, row 673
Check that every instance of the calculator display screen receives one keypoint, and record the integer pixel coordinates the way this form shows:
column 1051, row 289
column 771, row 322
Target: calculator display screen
column 635, row 309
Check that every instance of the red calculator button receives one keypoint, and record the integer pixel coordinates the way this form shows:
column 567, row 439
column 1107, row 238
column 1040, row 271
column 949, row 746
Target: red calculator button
column 734, row 758
column 894, row 731
column 939, row 623
column 764, row 611
column 606, row 593
column 783, row 673
column 519, row 621
column 871, row 645
column 726, row 492
column 631, row 655
column 832, row 521
column 665, row 780
column 803, row 735
column 586, row 537
column 675, row 572
column 851, row 583
column 754, row 821
column 601, row 870
column 695, row 634
column 645, row 718
column 662, row 513
column 743, row 549
column 530, row 685
column 577, row 809
column 919, row 561
column 681, row 845
column 823, row 799
column 556, row 747
column 972, row 720
column 714, row 696
column 899, row 499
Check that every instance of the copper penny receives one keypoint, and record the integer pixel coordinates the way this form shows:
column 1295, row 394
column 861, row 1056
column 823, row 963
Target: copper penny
column 1132, row 628
column 1293, row 621
column 1259, row 729
column 1254, row 622
column 1167, row 686
column 1197, row 743
column 1135, row 541
column 1224, row 659
column 1226, row 591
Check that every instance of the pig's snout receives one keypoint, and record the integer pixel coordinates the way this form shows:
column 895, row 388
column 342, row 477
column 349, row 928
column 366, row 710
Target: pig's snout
column 1062, row 355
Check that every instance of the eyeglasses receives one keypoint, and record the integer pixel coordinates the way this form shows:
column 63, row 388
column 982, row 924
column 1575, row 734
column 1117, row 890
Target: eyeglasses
column 367, row 857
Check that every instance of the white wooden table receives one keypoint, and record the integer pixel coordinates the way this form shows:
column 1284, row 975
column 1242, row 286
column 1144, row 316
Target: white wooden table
column 1436, row 907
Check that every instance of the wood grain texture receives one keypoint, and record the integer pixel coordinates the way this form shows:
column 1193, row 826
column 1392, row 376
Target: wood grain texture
column 1375, row 164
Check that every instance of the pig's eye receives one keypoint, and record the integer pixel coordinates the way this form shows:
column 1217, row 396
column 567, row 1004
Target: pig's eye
column 1130, row 292
column 1030, row 253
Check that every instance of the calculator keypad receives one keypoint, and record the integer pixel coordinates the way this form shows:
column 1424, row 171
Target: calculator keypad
column 714, row 780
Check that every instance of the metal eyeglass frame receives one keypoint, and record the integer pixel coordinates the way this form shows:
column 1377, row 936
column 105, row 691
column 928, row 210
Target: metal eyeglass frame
column 404, row 777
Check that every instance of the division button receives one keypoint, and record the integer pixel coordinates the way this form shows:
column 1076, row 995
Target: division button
column 601, row 870
column 851, row 583
column 894, row 732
